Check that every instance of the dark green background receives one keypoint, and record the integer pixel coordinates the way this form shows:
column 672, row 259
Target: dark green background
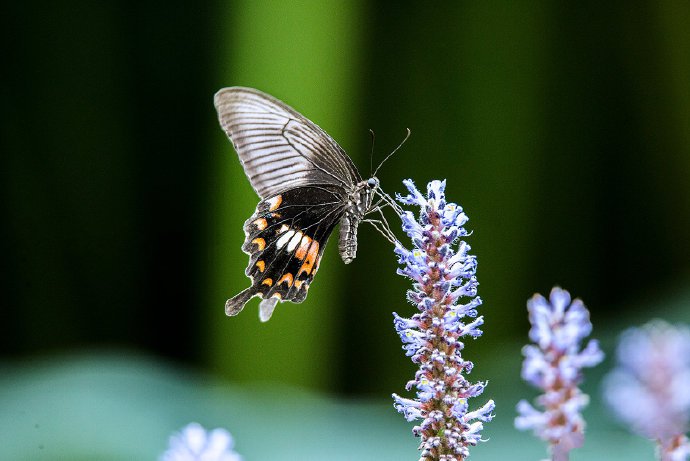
column 564, row 132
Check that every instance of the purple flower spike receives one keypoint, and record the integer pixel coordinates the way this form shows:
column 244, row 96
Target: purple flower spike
column 554, row 364
column 654, row 372
column 442, row 272
column 194, row 443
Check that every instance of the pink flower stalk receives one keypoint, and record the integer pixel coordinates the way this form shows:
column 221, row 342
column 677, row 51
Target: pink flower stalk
column 554, row 364
column 649, row 390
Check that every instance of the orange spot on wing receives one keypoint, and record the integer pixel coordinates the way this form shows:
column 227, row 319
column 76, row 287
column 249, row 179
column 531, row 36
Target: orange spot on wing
column 303, row 247
column 310, row 260
column 268, row 281
column 298, row 283
column 275, row 202
column 286, row 278
column 277, row 295
column 261, row 243
column 261, row 265
column 261, row 223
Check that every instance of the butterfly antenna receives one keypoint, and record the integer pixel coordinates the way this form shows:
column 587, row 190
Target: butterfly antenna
column 394, row 151
column 371, row 155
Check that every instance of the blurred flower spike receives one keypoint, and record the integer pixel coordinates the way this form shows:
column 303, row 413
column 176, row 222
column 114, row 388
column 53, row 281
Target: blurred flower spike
column 554, row 364
column 649, row 390
column 443, row 273
column 194, row 443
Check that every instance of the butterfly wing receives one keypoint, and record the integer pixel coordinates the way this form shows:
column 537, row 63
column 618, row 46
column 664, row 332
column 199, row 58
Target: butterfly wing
column 285, row 239
column 279, row 148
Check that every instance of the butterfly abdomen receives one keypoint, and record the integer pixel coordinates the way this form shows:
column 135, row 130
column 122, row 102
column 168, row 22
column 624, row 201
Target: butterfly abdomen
column 359, row 202
column 348, row 237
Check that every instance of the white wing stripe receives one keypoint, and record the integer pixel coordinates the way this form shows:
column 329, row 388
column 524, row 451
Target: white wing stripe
column 254, row 134
column 276, row 174
column 285, row 166
column 263, row 138
column 269, row 144
column 283, row 178
column 264, row 159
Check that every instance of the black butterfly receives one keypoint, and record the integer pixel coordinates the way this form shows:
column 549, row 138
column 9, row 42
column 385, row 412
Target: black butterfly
column 307, row 185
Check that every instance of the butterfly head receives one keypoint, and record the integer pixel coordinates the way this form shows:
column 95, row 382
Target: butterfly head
column 373, row 182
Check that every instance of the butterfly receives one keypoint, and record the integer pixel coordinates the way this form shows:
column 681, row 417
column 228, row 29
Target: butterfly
column 307, row 184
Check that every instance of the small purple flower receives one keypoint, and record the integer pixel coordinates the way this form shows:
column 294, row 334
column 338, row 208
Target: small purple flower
column 654, row 372
column 554, row 364
column 443, row 272
column 193, row 443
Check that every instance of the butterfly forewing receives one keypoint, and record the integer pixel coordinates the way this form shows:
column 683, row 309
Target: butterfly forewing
column 279, row 148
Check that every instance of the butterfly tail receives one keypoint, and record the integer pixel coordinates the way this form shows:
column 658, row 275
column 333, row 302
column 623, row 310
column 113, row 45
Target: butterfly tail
column 234, row 305
column 266, row 308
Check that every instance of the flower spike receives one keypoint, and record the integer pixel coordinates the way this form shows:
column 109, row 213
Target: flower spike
column 654, row 372
column 554, row 364
column 442, row 272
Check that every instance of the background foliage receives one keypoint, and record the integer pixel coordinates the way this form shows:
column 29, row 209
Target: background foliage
column 564, row 131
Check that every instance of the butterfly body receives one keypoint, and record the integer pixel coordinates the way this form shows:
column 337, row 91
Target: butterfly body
column 358, row 204
column 307, row 185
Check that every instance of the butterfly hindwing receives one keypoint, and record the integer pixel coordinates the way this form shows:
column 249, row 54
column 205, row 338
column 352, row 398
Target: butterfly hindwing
column 285, row 238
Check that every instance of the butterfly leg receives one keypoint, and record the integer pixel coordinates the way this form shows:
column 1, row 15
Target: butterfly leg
column 383, row 229
column 386, row 225
column 384, row 197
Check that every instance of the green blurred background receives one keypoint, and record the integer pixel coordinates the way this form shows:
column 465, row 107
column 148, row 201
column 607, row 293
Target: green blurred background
column 563, row 130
